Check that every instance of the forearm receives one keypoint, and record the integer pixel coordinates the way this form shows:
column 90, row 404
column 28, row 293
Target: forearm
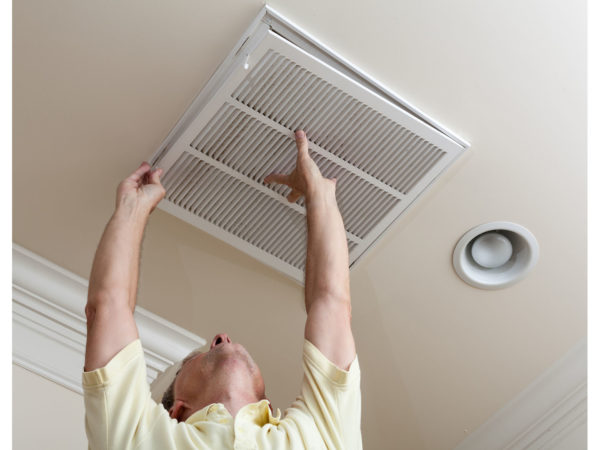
column 115, row 270
column 327, row 275
column 113, row 282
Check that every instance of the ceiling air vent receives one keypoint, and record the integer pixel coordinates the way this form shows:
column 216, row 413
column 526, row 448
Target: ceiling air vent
column 383, row 151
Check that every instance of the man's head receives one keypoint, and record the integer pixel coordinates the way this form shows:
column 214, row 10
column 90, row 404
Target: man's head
column 225, row 374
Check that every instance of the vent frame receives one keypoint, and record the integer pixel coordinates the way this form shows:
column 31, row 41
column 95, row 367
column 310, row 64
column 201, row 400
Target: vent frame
column 271, row 32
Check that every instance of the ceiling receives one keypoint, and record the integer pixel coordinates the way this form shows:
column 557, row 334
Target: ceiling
column 98, row 86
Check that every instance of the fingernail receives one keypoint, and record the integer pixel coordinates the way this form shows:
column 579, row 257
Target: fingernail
column 299, row 134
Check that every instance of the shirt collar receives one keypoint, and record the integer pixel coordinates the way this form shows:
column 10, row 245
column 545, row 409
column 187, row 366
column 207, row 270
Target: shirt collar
column 259, row 413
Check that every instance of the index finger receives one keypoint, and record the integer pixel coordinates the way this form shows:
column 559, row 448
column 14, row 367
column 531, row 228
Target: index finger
column 140, row 172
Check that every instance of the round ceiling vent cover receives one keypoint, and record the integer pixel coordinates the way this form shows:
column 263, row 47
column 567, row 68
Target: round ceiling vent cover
column 495, row 255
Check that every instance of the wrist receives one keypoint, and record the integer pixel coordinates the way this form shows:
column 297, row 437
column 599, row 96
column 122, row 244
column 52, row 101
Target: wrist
column 130, row 214
column 321, row 194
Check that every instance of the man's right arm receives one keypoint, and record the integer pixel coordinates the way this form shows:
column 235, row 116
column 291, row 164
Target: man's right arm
column 113, row 281
column 119, row 412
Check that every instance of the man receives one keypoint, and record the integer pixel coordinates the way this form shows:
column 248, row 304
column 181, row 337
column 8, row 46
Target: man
column 217, row 400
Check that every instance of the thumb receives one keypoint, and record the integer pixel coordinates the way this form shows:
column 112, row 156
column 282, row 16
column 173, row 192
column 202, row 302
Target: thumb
column 277, row 178
column 294, row 195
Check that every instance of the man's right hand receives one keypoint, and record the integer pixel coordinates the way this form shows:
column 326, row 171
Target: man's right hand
column 141, row 191
column 306, row 178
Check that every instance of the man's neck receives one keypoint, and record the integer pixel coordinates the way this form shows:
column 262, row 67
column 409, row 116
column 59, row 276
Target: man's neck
column 234, row 403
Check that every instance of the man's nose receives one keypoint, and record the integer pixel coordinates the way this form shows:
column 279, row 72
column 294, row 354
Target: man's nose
column 219, row 339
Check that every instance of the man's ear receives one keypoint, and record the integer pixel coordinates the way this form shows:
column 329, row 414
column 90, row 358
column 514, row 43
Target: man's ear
column 177, row 410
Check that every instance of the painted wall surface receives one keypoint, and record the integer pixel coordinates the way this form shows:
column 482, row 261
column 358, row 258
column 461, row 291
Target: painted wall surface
column 45, row 415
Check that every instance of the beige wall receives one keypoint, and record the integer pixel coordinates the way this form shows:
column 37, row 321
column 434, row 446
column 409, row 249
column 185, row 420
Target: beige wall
column 45, row 415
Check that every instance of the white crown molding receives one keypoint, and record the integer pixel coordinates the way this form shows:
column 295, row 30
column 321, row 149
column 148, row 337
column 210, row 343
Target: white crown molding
column 544, row 413
column 49, row 327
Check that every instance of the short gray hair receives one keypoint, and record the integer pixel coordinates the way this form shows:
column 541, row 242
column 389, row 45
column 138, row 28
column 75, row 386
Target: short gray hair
column 168, row 397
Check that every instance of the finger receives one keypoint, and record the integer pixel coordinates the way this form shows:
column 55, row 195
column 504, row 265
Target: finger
column 155, row 176
column 277, row 178
column 301, row 141
column 294, row 195
column 140, row 172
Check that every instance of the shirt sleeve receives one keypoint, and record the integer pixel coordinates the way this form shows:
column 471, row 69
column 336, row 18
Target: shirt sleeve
column 119, row 410
column 332, row 397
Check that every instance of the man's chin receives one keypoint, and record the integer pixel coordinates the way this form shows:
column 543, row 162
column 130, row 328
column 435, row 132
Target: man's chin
column 236, row 355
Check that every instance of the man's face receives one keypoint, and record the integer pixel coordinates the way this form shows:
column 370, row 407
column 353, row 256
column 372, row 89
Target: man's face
column 224, row 355
column 226, row 368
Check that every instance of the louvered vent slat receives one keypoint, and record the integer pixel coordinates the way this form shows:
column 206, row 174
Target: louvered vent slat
column 395, row 164
column 257, row 233
column 263, row 83
column 339, row 105
column 293, row 85
column 355, row 127
column 349, row 138
column 288, row 107
column 346, row 112
column 381, row 151
column 367, row 222
column 297, row 115
column 411, row 183
column 356, row 198
column 235, row 206
column 273, row 243
column 320, row 113
column 425, row 154
column 368, row 154
column 171, row 176
column 207, row 191
column 359, row 199
column 379, row 159
column 404, row 162
column 249, row 82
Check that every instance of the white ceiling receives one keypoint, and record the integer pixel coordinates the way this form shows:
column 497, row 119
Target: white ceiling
column 97, row 87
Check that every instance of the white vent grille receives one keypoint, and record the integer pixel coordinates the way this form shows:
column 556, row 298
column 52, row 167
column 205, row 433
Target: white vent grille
column 293, row 97
column 240, row 129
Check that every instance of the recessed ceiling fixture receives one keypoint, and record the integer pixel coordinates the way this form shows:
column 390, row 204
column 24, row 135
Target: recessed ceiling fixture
column 495, row 255
column 383, row 151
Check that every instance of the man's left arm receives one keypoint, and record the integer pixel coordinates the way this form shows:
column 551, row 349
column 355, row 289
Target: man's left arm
column 327, row 278
column 331, row 384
